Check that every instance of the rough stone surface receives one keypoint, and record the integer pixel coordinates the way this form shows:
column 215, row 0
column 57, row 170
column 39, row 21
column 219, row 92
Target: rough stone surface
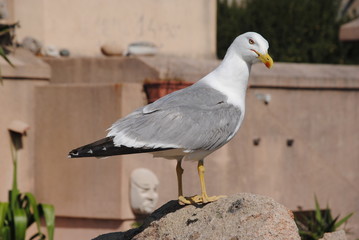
column 338, row 235
column 243, row 216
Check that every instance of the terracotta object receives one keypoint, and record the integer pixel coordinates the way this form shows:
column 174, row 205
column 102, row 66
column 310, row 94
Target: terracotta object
column 112, row 49
column 158, row 88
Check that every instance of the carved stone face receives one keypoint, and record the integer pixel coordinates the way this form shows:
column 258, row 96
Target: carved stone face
column 144, row 195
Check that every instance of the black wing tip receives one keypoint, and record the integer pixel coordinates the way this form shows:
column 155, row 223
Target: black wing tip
column 73, row 154
column 94, row 149
column 84, row 152
column 105, row 147
column 76, row 153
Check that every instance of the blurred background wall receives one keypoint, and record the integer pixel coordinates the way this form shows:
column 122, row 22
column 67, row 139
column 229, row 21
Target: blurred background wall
column 83, row 26
column 302, row 142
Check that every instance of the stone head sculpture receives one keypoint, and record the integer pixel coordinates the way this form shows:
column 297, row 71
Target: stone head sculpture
column 144, row 195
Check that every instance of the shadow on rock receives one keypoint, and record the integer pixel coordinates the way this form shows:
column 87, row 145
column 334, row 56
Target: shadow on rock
column 167, row 208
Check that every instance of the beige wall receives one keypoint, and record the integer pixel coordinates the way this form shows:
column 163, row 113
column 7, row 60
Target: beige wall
column 17, row 96
column 177, row 27
column 95, row 70
column 16, row 103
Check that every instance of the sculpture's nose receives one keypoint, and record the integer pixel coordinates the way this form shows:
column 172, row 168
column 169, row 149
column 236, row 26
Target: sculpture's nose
column 152, row 195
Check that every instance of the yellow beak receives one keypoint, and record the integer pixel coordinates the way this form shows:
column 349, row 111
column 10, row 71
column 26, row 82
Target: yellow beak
column 266, row 59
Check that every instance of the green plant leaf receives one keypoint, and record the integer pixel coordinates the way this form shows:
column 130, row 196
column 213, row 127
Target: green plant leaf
column 22, row 210
column 14, row 198
column 318, row 214
column 33, row 209
column 5, row 233
column 327, row 215
column 343, row 220
column 49, row 214
column 308, row 235
column 318, row 222
column 2, row 52
column 3, row 210
column 39, row 236
column 20, row 223
column 329, row 227
column 3, row 55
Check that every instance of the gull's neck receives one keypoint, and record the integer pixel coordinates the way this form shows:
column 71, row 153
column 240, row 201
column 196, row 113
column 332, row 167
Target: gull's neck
column 231, row 78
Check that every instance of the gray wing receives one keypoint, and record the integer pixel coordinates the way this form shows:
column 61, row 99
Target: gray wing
column 197, row 94
column 193, row 118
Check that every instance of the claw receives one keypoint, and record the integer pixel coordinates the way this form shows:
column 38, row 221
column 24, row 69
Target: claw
column 183, row 201
column 199, row 199
column 212, row 199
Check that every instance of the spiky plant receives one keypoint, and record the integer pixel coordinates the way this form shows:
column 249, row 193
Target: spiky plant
column 22, row 210
column 313, row 224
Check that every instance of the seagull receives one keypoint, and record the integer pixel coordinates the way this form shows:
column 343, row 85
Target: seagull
column 191, row 123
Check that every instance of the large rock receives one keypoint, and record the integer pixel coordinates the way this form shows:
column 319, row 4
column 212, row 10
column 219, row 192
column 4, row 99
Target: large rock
column 243, row 216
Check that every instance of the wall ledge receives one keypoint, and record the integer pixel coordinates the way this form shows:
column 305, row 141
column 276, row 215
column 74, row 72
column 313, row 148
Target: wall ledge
column 303, row 75
column 27, row 66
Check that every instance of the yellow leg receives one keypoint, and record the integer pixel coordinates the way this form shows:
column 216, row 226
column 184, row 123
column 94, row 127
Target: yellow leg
column 203, row 198
column 179, row 171
column 201, row 169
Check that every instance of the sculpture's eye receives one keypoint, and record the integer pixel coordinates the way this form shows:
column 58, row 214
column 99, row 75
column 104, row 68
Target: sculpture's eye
column 251, row 41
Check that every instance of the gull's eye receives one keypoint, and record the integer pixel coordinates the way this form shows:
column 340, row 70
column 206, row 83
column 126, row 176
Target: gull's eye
column 251, row 41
